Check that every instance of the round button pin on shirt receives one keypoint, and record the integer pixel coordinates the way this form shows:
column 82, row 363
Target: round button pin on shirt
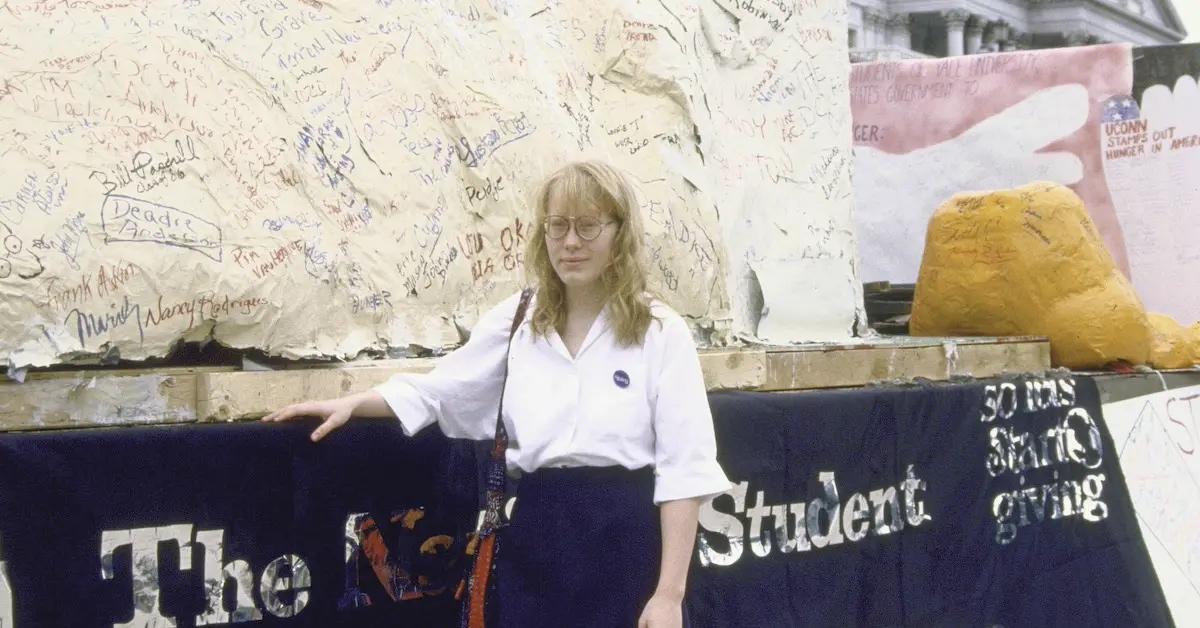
column 621, row 379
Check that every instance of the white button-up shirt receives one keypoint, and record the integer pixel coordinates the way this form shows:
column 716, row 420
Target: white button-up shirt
column 632, row 406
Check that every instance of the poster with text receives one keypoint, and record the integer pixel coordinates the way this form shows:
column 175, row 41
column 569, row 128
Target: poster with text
column 925, row 130
column 1151, row 151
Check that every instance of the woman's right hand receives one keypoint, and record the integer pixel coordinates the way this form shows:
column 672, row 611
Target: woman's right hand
column 333, row 412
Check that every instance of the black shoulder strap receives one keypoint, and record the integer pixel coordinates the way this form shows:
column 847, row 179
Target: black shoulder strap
column 497, row 467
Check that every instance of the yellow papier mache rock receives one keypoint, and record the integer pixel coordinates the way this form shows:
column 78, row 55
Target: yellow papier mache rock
column 1172, row 346
column 1028, row 261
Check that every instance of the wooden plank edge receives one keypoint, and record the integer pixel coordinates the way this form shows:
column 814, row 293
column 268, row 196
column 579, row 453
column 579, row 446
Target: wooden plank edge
column 97, row 401
column 800, row 370
column 92, row 399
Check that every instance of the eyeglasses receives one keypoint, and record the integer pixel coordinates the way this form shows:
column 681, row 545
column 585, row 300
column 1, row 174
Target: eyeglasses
column 586, row 227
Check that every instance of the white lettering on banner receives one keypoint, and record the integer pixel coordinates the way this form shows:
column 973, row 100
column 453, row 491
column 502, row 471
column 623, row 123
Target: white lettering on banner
column 216, row 573
column 6, row 598
column 144, row 545
column 1073, row 439
column 819, row 523
column 283, row 585
column 1001, row 400
column 274, row 585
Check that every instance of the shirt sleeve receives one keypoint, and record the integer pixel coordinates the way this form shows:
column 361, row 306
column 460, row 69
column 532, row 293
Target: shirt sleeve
column 685, row 447
column 462, row 393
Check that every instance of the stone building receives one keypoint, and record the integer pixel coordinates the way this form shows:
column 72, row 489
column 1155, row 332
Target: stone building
column 890, row 29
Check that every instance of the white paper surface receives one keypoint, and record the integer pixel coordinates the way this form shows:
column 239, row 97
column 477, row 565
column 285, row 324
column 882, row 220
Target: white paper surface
column 1156, row 437
column 318, row 178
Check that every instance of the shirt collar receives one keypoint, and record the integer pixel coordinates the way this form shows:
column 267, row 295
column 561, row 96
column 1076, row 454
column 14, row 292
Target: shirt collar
column 600, row 326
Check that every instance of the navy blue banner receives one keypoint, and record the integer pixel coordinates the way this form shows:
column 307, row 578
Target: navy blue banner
column 996, row 503
column 230, row 523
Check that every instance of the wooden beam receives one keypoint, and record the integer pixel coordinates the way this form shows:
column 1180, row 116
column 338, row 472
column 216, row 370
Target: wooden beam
column 734, row 369
column 91, row 400
column 252, row 394
column 232, row 396
column 942, row 359
column 99, row 398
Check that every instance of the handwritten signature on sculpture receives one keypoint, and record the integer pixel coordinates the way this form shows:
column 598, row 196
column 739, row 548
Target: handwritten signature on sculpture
column 45, row 195
column 91, row 325
column 66, row 239
column 62, row 293
column 470, row 153
column 328, row 148
column 372, row 302
column 205, row 306
column 149, row 173
column 299, row 222
column 127, row 219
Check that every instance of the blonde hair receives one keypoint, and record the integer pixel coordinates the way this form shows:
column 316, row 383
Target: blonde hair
column 600, row 187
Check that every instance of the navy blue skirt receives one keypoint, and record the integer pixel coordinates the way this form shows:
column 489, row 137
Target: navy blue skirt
column 582, row 550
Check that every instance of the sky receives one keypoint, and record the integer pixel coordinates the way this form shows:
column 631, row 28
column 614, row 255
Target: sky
column 1189, row 11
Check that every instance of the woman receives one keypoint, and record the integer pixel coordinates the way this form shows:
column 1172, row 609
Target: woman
column 606, row 413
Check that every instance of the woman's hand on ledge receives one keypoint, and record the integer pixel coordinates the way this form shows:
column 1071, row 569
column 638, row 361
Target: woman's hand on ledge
column 333, row 412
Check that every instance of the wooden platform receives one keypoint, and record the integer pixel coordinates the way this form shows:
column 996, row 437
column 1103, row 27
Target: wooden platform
column 164, row 396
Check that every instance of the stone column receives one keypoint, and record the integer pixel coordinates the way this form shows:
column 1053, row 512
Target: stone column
column 1002, row 33
column 974, row 33
column 1078, row 37
column 866, row 39
column 956, row 21
column 899, row 31
column 875, row 24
